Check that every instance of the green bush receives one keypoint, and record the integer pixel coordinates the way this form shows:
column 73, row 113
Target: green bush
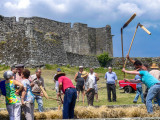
column 103, row 59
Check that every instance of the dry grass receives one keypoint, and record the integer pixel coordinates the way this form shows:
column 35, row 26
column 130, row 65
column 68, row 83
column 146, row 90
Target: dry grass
column 92, row 112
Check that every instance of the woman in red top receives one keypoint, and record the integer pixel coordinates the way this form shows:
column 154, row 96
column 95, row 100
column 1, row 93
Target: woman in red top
column 70, row 95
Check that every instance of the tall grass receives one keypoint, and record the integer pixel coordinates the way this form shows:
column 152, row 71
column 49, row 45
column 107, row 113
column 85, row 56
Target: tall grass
column 4, row 67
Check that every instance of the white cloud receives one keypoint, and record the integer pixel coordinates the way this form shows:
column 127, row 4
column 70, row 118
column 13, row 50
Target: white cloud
column 56, row 5
column 101, row 10
column 130, row 8
column 20, row 4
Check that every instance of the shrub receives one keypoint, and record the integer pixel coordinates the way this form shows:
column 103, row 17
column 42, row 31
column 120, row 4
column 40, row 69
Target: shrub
column 103, row 59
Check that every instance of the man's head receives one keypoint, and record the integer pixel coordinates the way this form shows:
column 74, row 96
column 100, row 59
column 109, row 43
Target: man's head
column 20, row 68
column 8, row 75
column 25, row 73
column 109, row 69
column 38, row 72
column 84, row 75
column 91, row 70
column 81, row 68
column 137, row 64
column 14, row 69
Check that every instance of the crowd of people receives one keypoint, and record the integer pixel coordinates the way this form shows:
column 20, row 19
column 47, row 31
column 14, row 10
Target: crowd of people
column 21, row 89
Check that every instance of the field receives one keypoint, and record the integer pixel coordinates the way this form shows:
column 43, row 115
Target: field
column 82, row 111
column 49, row 71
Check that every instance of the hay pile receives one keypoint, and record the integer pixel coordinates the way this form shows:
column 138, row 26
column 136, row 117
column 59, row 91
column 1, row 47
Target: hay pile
column 92, row 112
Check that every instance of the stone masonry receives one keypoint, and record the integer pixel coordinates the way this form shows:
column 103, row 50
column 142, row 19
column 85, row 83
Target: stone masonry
column 37, row 41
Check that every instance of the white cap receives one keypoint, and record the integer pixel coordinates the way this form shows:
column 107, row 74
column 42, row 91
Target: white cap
column 80, row 67
column 8, row 74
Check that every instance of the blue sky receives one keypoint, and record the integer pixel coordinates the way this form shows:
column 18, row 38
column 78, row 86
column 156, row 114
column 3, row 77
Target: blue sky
column 99, row 13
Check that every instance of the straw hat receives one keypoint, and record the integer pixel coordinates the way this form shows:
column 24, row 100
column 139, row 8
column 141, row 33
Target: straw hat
column 154, row 65
column 58, row 75
column 84, row 74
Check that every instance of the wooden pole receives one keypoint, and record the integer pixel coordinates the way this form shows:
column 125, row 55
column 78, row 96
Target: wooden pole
column 131, row 45
column 122, row 47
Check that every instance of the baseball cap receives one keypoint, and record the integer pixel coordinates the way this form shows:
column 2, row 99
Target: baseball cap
column 20, row 66
column 58, row 69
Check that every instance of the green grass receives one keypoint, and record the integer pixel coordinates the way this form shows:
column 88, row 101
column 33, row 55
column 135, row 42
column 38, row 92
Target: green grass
column 50, row 70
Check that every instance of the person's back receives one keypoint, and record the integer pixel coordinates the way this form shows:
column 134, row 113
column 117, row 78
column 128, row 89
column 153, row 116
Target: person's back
column 29, row 97
column 67, row 83
column 137, row 77
column 80, row 80
column 155, row 73
column 11, row 97
column 148, row 79
column 139, row 90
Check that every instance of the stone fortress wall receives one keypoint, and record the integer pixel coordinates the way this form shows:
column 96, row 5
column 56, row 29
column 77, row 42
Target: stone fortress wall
column 37, row 41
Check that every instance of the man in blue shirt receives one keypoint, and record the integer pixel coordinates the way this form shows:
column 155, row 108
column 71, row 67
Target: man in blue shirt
column 151, row 82
column 111, row 81
column 139, row 90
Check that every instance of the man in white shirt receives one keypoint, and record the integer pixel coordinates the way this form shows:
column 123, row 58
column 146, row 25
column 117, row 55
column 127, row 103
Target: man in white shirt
column 95, row 77
column 155, row 72
column 89, row 87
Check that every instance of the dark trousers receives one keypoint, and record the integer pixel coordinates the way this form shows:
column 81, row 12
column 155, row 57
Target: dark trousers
column 90, row 97
column 111, row 88
column 69, row 103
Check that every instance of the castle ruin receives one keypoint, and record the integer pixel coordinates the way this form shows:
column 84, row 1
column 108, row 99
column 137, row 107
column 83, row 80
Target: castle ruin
column 38, row 41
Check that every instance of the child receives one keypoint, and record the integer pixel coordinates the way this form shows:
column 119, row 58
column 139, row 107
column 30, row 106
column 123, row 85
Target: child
column 27, row 97
column 12, row 102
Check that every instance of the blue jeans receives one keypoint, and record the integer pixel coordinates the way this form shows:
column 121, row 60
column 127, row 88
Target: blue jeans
column 40, row 103
column 154, row 91
column 69, row 103
column 139, row 92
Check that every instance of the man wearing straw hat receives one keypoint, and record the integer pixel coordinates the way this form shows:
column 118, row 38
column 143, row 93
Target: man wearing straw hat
column 70, row 95
column 89, row 87
column 155, row 72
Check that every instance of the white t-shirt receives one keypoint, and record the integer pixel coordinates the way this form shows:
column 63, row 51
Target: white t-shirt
column 56, row 83
column 93, row 76
column 89, row 83
column 155, row 73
